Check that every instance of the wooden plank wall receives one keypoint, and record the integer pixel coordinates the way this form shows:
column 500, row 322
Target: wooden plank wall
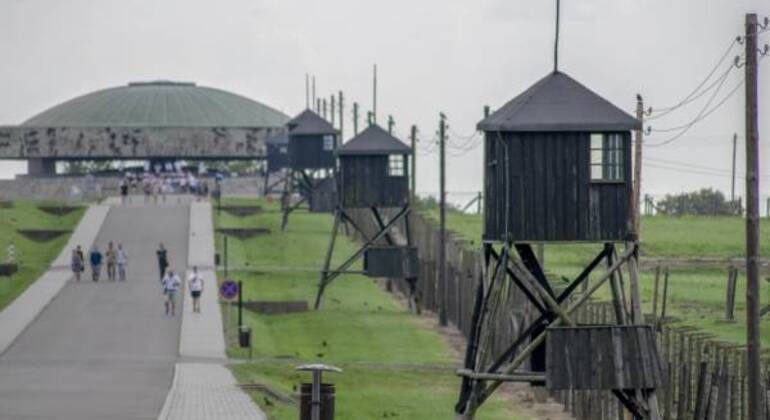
column 306, row 152
column 539, row 188
column 704, row 378
column 364, row 182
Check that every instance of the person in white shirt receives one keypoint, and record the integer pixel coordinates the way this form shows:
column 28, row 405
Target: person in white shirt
column 195, row 283
column 171, row 284
column 122, row 260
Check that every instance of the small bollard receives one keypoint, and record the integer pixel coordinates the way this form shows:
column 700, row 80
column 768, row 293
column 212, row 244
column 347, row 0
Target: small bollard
column 320, row 405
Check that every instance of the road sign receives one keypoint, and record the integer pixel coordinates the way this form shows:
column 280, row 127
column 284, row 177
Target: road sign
column 228, row 290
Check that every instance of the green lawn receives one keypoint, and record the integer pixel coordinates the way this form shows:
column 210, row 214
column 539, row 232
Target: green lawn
column 33, row 257
column 696, row 296
column 360, row 328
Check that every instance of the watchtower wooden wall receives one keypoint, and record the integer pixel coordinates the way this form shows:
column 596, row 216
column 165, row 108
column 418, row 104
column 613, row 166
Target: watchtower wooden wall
column 308, row 152
column 364, row 182
column 538, row 187
column 277, row 156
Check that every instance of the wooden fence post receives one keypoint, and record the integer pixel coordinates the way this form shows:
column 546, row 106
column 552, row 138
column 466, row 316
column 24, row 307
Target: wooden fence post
column 732, row 278
column 665, row 295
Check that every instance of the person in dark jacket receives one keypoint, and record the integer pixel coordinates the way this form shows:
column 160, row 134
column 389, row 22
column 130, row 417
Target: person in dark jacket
column 162, row 260
column 96, row 263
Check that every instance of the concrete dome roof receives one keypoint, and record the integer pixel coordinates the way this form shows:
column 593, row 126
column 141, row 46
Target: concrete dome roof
column 159, row 104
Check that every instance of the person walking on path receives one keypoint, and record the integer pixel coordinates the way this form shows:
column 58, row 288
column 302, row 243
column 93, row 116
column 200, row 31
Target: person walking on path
column 195, row 283
column 162, row 260
column 171, row 284
column 112, row 261
column 122, row 260
column 77, row 264
column 123, row 190
column 96, row 263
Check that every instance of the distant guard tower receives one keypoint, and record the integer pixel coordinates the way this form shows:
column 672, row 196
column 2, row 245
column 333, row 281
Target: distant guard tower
column 558, row 170
column 374, row 175
column 312, row 164
column 277, row 160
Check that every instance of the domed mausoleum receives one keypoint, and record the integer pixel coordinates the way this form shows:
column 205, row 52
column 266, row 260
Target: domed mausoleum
column 158, row 120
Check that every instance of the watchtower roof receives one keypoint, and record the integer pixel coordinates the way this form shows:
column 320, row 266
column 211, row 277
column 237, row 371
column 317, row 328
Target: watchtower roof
column 309, row 123
column 374, row 141
column 558, row 102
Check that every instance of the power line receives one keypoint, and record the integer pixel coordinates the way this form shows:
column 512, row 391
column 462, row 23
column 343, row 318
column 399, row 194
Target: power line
column 687, row 99
column 702, row 115
column 721, row 80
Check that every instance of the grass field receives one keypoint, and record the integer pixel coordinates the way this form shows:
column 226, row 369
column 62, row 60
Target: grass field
column 394, row 365
column 33, row 257
column 695, row 296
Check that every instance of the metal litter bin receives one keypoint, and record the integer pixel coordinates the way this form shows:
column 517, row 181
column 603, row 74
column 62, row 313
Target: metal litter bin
column 244, row 336
column 326, row 403
column 316, row 399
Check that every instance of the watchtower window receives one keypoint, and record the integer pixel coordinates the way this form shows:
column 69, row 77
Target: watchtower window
column 328, row 143
column 607, row 157
column 395, row 165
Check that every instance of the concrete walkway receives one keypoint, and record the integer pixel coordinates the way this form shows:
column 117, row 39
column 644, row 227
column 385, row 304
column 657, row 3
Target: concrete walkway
column 202, row 334
column 205, row 391
column 104, row 350
column 22, row 311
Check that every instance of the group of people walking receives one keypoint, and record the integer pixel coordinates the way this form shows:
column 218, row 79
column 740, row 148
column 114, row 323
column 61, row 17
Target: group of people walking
column 116, row 260
column 153, row 186
column 171, row 282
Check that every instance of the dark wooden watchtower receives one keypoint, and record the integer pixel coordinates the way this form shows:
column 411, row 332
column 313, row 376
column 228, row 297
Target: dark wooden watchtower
column 558, row 170
column 558, row 166
column 277, row 160
column 373, row 174
column 312, row 163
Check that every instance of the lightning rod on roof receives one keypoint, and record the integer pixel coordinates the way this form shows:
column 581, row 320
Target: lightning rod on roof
column 556, row 40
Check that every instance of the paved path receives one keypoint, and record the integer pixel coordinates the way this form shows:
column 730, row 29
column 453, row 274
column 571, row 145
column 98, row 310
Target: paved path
column 205, row 391
column 202, row 334
column 102, row 351
column 25, row 308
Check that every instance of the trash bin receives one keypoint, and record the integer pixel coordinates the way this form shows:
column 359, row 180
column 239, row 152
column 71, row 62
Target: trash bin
column 244, row 336
column 306, row 401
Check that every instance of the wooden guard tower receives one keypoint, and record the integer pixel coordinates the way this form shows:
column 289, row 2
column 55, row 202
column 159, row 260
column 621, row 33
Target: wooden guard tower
column 558, row 170
column 277, row 160
column 374, row 175
column 312, row 164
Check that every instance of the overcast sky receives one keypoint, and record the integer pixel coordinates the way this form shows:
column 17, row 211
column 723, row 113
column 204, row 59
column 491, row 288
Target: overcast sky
column 453, row 56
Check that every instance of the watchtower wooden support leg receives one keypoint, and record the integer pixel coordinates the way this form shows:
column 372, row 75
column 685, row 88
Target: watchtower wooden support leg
column 467, row 403
column 286, row 199
column 328, row 276
column 483, row 393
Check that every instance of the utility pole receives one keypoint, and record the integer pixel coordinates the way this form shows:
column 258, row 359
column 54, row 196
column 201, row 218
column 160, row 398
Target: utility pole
column 752, row 222
column 391, row 123
column 442, row 220
column 374, row 96
column 732, row 188
column 413, row 169
column 638, row 167
column 315, row 102
column 342, row 119
column 323, row 109
column 332, row 110
column 318, row 105
column 355, row 118
column 307, row 91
